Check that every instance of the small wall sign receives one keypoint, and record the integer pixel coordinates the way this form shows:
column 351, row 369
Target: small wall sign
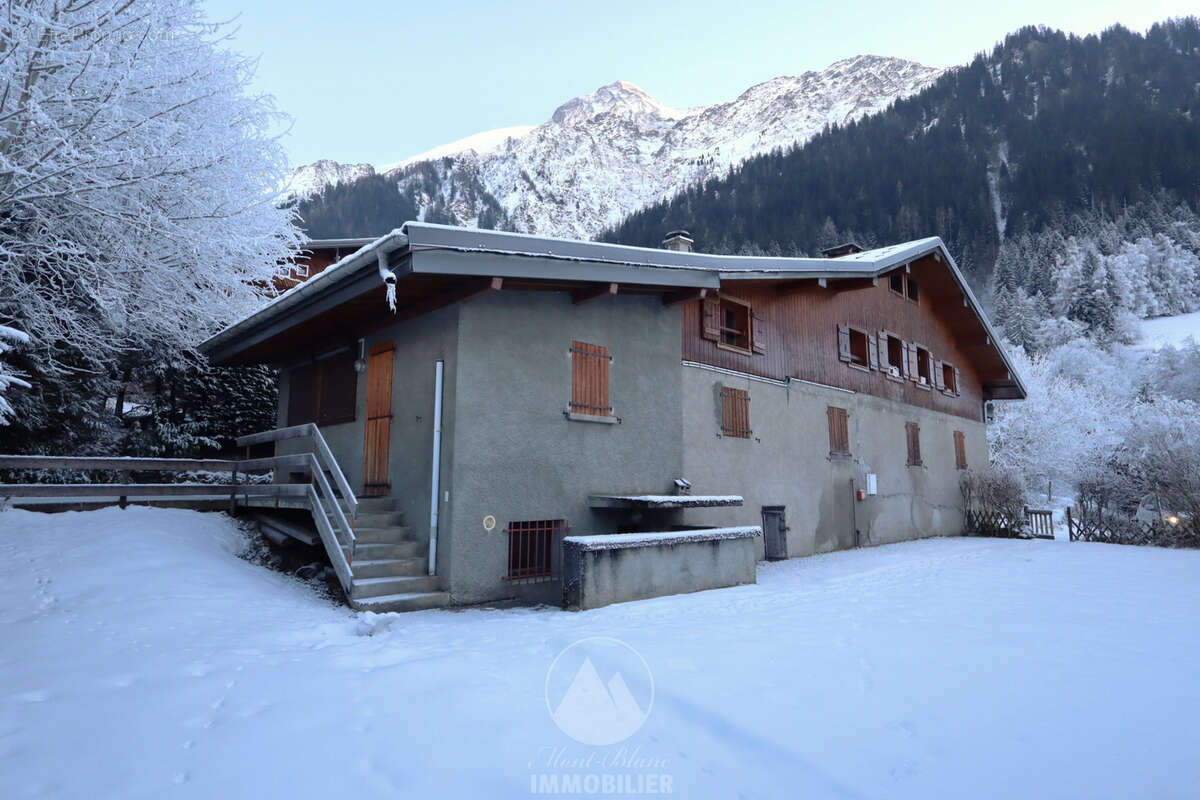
column 489, row 522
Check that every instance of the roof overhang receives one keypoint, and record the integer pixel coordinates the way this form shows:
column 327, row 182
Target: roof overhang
column 429, row 259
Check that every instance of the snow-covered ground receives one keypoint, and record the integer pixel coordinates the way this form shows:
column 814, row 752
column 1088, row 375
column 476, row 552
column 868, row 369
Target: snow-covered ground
column 139, row 657
column 1162, row 331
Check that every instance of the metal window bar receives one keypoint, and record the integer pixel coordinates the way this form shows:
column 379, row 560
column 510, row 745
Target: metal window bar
column 533, row 549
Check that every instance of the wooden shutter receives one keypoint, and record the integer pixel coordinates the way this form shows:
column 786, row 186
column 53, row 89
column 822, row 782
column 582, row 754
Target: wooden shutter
column 735, row 412
column 302, row 395
column 589, row 379
column 872, row 352
column 339, row 389
column 913, row 433
column 377, row 428
column 957, row 382
column 881, row 349
column 844, row 343
column 710, row 318
column 910, row 361
column 839, row 431
column 939, row 380
column 758, row 332
column 960, row 450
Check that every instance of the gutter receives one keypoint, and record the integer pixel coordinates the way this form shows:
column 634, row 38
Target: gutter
column 374, row 254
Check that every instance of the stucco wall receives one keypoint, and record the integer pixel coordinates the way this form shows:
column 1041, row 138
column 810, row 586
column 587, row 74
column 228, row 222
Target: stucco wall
column 787, row 463
column 419, row 344
column 520, row 457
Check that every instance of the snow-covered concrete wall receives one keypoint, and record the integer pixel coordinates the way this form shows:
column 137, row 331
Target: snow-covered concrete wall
column 787, row 463
column 601, row 570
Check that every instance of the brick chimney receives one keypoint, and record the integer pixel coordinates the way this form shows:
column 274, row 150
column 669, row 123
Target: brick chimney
column 679, row 241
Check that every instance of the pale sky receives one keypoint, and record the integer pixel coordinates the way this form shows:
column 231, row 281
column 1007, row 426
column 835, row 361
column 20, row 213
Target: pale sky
column 376, row 81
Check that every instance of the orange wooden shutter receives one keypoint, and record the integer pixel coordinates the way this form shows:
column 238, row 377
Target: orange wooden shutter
column 735, row 412
column 589, row 379
column 710, row 318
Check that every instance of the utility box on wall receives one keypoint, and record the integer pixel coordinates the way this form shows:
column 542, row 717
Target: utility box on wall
column 872, row 484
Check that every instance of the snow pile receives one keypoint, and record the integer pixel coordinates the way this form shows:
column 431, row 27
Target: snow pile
column 141, row 658
column 9, row 339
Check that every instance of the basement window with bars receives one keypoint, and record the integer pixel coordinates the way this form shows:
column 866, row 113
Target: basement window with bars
column 589, row 380
column 912, row 432
column 533, row 549
column 839, row 431
column 735, row 413
column 960, row 450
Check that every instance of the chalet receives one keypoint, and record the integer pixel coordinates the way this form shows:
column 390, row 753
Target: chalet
column 497, row 392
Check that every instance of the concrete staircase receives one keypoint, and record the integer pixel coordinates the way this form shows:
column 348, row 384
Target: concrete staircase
column 390, row 565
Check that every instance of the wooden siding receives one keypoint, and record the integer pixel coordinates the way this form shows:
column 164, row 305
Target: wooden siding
column 797, row 327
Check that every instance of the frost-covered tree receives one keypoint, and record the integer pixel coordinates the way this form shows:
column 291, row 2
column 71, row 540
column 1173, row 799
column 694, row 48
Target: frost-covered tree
column 9, row 339
column 137, row 177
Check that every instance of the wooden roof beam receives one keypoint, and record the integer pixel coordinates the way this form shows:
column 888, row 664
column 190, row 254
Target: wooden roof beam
column 849, row 284
column 591, row 293
column 684, row 296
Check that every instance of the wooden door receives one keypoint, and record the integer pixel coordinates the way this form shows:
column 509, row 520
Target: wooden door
column 774, row 533
column 379, row 421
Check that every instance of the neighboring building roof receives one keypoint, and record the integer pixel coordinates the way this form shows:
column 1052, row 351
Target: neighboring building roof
column 421, row 248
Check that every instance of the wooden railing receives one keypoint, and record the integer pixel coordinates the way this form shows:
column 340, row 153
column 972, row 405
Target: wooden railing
column 318, row 494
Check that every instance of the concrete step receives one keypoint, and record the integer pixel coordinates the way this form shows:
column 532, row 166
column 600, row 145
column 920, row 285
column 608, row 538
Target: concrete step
column 391, row 535
column 390, row 567
column 384, row 519
column 376, row 504
column 410, row 601
column 376, row 587
column 373, row 551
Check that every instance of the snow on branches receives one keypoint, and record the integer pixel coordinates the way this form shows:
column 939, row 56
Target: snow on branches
column 137, row 178
column 9, row 338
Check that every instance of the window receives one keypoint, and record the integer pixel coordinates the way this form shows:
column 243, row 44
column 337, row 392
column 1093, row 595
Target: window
column 896, row 282
column 960, row 450
column 589, row 380
column 857, row 348
column 894, row 353
column 735, row 324
column 913, row 293
column 735, row 413
column 904, row 285
column 533, row 546
column 839, row 431
column 924, row 367
column 913, row 433
column 949, row 379
column 732, row 324
column 324, row 392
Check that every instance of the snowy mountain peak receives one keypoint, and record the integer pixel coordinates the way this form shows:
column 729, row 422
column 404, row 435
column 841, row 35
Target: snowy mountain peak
column 605, row 155
column 620, row 98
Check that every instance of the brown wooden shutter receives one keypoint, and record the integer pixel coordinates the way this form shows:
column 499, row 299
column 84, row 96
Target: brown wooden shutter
column 957, row 382
column 913, row 433
column 960, row 450
column 589, row 379
column 910, row 361
column 339, row 389
column 710, row 318
column 735, row 412
column 843, row 343
column 758, row 332
column 882, row 350
column 302, row 395
column 872, row 352
column 939, row 379
column 839, row 431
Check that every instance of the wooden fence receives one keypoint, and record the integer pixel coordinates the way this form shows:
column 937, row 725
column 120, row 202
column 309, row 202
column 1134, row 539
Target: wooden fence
column 1109, row 529
column 1035, row 523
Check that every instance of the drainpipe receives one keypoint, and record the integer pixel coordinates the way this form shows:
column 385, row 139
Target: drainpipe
column 389, row 278
column 435, row 478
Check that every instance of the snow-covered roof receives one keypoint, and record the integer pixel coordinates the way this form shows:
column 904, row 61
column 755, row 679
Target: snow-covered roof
column 422, row 248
